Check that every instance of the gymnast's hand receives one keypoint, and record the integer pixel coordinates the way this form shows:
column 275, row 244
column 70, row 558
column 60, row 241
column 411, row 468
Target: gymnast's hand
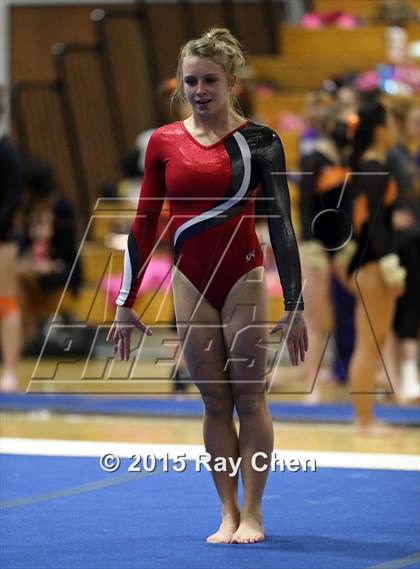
column 120, row 333
column 293, row 326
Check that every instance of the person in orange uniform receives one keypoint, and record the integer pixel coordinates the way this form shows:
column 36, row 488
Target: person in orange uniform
column 377, row 277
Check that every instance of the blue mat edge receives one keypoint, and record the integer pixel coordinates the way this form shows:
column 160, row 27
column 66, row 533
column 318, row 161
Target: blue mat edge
column 169, row 407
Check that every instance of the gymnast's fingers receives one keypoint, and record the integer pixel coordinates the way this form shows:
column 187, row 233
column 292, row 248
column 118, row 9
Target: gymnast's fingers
column 292, row 351
column 127, row 341
column 111, row 333
column 302, row 348
column 121, row 347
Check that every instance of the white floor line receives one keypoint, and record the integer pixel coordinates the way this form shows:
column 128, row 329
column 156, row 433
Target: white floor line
column 398, row 563
column 55, row 447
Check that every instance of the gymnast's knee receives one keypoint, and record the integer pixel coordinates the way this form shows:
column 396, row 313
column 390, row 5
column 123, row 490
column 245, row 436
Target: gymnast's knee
column 249, row 403
column 219, row 405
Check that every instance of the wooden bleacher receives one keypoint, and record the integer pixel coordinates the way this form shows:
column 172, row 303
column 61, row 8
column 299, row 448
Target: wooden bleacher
column 366, row 42
column 290, row 72
column 367, row 9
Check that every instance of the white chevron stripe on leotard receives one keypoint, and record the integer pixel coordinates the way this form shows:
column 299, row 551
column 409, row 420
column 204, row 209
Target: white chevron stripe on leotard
column 220, row 208
column 127, row 278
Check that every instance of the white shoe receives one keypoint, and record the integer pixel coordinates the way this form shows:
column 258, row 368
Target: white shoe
column 410, row 383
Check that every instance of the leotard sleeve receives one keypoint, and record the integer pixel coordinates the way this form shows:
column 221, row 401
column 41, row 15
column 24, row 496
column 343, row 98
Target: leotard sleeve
column 272, row 168
column 142, row 236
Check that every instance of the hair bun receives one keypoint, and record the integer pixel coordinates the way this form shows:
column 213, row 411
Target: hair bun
column 224, row 37
column 221, row 34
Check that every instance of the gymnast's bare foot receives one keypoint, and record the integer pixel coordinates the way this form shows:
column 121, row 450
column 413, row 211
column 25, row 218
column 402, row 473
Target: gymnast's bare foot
column 230, row 523
column 250, row 529
column 8, row 382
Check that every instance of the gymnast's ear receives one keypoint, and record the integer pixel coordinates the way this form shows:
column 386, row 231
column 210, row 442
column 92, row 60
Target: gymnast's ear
column 231, row 81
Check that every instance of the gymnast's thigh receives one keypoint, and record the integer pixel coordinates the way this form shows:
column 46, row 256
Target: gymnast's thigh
column 200, row 333
column 375, row 306
column 246, row 323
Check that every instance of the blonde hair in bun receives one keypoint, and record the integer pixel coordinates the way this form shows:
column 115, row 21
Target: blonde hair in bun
column 219, row 45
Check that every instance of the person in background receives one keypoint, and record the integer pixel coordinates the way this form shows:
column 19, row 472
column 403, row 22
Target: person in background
column 325, row 227
column 374, row 270
column 349, row 98
column 315, row 104
column 47, row 241
column 11, row 185
column 406, row 220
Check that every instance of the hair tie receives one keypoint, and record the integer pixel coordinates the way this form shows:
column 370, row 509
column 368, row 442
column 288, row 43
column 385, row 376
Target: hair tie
column 353, row 122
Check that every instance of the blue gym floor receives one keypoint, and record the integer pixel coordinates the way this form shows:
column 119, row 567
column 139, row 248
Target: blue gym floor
column 66, row 513
column 193, row 407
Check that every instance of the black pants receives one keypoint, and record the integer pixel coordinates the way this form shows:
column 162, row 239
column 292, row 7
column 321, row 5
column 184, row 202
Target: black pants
column 407, row 314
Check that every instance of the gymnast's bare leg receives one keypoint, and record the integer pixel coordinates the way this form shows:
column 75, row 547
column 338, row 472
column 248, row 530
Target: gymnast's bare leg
column 201, row 335
column 228, row 334
column 375, row 305
column 245, row 315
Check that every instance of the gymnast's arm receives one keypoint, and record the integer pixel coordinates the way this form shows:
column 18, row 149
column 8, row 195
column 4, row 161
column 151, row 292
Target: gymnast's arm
column 272, row 166
column 139, row 247
column 142, row 236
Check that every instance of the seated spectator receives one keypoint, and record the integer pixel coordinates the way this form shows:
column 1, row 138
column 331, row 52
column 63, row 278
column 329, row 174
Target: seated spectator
column 47, row 241
column 11, row 182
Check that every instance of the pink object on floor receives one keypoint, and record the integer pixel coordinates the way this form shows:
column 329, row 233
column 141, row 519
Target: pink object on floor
column 158, row 275
column 347, row 22
column 312, row 21
column 273, row 283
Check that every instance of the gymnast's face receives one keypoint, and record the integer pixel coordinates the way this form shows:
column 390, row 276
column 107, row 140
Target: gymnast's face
column 206, row 86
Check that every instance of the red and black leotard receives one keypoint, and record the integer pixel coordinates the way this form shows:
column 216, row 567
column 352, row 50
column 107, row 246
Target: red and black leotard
column 211, row 193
